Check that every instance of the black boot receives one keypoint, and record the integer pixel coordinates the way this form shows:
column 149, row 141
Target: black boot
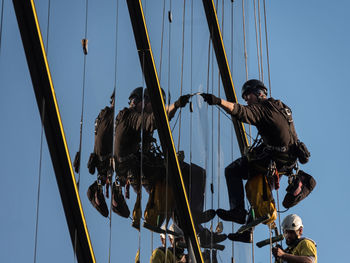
column 237, row 215
column 119, row 205
column 245, row 237
column 204, row 217
column 205, row 237
column 95, row 196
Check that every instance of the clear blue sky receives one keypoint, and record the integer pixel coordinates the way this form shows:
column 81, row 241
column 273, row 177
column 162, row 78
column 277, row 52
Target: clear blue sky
column 309, row 62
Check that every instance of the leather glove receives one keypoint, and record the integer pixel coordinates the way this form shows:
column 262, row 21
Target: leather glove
column 182, row 101
column 211, row 99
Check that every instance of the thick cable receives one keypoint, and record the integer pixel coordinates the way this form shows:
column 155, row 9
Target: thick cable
column 260, row 44
column 182, row 69
column 257, row 41
column 279, row 213
column 1, row 22
column 253, row 256
column 39, row 179
column 267, row 48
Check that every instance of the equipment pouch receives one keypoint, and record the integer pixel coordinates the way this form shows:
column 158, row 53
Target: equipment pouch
column 92, row 163
column 306, row 184
column 302, row 152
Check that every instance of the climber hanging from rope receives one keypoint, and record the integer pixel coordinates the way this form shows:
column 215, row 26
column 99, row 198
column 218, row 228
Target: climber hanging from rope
column 101, row 157
column 276, row 154
column 128, row 152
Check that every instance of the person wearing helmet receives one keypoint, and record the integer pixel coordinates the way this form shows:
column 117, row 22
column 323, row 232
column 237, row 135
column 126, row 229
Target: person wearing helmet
column 274, row 123
column 174, row 253
column 133, row 125
column 100, row 159
column 299, row 250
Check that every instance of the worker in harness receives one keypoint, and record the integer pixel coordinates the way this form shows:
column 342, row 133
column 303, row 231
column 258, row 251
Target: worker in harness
column 299, row 249
column 100, row 158
column 279, row 146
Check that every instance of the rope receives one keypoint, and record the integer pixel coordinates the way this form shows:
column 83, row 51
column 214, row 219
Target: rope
column 267, row 49
column 279, row 213
column 83, row 95
column 82, row 115
column 232, row 225
column 1, row 21
column 161, row 44
column 182, row 69
column 191, row 90
column 39, row 179
column 253, row 257
column 245, row 43
column 113, row 150
column 270, row 231
column 257, row 43
column 261, row 54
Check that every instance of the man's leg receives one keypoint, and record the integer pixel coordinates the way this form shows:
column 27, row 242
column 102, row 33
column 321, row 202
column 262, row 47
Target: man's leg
column 235, row 173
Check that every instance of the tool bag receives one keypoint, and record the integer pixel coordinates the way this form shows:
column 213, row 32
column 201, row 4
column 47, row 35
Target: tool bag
column 300, row 186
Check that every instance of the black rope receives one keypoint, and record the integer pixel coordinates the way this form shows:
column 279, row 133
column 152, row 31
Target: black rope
column 1, row 22
column 39, row 179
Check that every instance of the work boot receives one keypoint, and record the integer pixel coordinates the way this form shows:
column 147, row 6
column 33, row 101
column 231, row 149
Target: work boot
column 119, row 205
column 204, row 217
column 95, row 196
column 237, row 215
column 205, row 237
column 245, row 237
column 136, row 213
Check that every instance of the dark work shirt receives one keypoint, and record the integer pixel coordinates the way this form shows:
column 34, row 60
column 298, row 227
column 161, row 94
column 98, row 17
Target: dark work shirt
column 270, row 122
column 129, row 123
column 104, row 132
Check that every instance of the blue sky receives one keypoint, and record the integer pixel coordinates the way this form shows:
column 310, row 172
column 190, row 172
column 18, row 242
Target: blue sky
column 309, row 65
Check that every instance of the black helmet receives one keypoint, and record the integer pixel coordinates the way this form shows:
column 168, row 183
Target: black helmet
column 163, row 93
column 253, row 86
column 136, row 93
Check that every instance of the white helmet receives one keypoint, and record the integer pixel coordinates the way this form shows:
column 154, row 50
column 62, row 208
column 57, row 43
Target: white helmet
column 292, row 222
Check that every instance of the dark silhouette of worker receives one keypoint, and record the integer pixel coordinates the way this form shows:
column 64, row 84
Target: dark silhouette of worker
column 101, row 158
column 279, row 147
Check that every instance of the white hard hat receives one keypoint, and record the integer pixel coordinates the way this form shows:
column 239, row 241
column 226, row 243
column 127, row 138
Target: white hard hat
column 292, row 222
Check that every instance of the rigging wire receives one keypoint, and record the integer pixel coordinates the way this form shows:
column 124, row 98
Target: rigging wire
column 245, row 43
column 84, row 44
column 167, row 157
column 182, row 68
column 191, row 90
column 257, row 41
column 39, row 178
column 1, row 22
column 232, row 156
column 260, row 44
column 113, row 133
column 42, row 129
column 161, row 44
column 267, row 48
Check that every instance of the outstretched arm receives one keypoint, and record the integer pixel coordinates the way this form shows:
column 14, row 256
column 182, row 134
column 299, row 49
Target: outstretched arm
column 213, row 100
column 180, row 103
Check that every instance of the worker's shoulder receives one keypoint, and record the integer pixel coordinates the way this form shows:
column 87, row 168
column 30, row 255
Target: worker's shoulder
column 307, row 241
